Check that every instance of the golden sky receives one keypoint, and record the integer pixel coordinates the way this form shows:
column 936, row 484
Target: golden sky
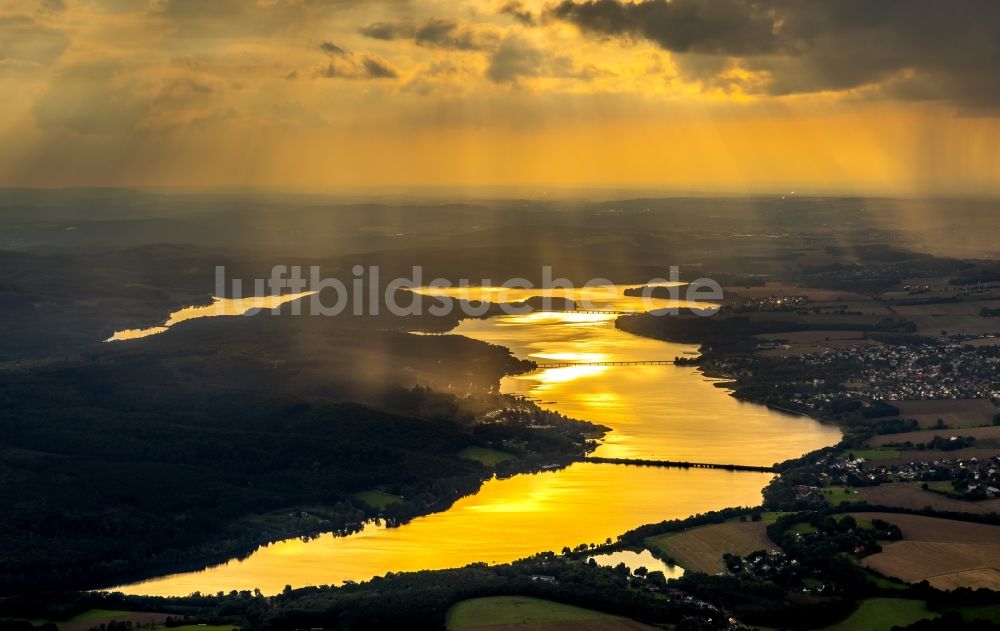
column 730, row 95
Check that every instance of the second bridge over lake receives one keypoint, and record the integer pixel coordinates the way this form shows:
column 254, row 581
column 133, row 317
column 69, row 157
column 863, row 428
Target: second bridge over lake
column 679, row 464
column 638, row 362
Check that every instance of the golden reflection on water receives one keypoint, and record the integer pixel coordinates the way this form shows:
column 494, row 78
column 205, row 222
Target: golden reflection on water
column 597, row 297
column 664, row 412
column 506, row 520
column 219, row 307
column 657, row 412
column 634, row 559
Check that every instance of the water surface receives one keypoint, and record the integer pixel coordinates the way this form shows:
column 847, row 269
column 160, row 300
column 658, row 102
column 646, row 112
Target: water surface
column 220, row 307
column 665, row 412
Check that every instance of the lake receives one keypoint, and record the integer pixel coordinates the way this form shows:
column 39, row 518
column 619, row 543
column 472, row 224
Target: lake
column 656, row 412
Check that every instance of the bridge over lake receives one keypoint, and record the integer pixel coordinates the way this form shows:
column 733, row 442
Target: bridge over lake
column 677, row 464
column 601, row 311
column 639, row 362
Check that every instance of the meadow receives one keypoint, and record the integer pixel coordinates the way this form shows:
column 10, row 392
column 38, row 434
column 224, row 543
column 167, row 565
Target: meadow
column 882, row 614
column 700, row 549
column 524, row 612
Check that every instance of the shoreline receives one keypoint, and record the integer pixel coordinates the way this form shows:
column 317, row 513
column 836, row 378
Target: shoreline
column 443, row 504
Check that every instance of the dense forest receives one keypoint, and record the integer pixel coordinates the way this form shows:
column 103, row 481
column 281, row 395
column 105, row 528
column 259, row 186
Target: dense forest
column 182, row 451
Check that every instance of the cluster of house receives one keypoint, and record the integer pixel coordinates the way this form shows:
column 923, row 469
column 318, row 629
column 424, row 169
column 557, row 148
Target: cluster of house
column 767, row 303
column 763, row 564
column 895, row 373
column 971, row 478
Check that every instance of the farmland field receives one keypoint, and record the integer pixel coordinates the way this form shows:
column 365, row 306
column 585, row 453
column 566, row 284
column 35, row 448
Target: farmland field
column 983, row 341
column 946, row 553
column 802, row 342
column 823, row 319
column 930, row 455
column 910, row 495
column 519, row 612
column 957, row 317
column 954, row 412
column 96, row 617
column 700, row 549
column 979, row 433
column 785, row 289
column 881, row 614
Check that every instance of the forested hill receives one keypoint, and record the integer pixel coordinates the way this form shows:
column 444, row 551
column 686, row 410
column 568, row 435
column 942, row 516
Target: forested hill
column 200, row 444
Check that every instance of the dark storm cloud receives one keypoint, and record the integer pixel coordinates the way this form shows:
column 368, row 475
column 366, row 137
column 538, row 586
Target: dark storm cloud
column 728, row 27
column 387, row 30
column 332, row 49
column 912, row 49
column 344, row 64
column 516, row 10
column 236, row 18
column 376, row 68
column 516, row 58
column 358, row 67
column 436, row 33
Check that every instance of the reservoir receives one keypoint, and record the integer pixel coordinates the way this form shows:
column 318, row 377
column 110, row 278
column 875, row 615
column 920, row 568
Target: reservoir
column 662, row 412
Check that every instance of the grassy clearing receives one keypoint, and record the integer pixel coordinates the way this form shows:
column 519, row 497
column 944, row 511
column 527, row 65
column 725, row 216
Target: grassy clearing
column 803, row 528
column 885, row 583
column 203, row 627
column 982, row 612
column 700, row 549
column 497, row 610
column 881, row 614
column 768, row 517
column 876, row 454
column 378, row 499
column 486, row 456
column 837, row 494
column 945, row 487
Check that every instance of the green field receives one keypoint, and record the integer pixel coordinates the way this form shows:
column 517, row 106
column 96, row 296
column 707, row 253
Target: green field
column 481, row 612
column 981, row 612
column 837, row 494
column 876, row 454
column 202, row 627
column 885, row 583
column 881, row 614
column 488, row 457
column 944, row 487
column 803, row 528
column 378, row 499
